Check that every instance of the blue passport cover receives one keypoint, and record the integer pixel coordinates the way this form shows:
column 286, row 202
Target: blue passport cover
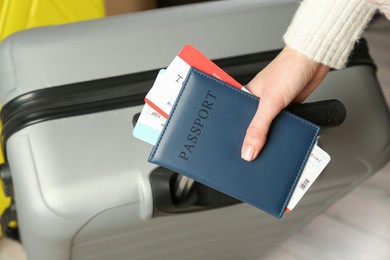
column 203, row 136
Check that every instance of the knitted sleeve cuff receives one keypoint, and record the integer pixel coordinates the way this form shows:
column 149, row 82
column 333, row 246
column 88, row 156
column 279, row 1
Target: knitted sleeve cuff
column 325, row 31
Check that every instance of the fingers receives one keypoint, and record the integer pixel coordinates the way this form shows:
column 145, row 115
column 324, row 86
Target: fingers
column 257, row 131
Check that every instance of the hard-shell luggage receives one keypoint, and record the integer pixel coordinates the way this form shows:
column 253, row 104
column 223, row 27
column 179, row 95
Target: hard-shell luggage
column 18, row 15
column 81, row 182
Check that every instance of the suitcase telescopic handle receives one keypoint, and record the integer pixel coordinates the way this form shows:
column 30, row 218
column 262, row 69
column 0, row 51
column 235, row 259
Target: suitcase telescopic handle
column 175, row 193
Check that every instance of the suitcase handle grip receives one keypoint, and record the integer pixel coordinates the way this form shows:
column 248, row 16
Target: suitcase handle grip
column 326, row 113
column 198, row 198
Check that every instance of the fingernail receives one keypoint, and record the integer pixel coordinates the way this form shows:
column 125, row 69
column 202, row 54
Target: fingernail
column 247, row 153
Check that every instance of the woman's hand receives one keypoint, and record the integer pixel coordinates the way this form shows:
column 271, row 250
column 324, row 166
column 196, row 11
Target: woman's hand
column 290, row 77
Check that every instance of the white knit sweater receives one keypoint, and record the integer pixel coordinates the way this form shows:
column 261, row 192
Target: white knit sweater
column 326, row 30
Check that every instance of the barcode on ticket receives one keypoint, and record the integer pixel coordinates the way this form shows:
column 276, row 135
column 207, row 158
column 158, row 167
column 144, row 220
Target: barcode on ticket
column 304, row 184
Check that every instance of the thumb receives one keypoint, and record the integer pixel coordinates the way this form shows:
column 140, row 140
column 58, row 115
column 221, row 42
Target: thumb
column 256, row 134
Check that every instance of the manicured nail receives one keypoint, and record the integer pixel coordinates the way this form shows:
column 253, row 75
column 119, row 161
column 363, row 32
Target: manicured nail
column 247, row 153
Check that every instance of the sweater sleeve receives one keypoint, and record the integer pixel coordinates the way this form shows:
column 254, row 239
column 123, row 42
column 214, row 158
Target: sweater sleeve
column 326, row 30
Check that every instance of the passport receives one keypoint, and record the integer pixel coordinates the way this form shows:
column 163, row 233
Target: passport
column 202, row 140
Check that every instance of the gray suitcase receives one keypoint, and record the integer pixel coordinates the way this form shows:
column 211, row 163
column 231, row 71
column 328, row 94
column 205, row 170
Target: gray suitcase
column 81, row 183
